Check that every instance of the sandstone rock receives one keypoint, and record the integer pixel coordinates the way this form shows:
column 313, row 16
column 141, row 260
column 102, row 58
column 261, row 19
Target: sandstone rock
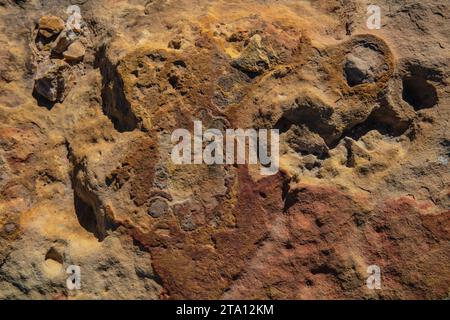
column 363, row 176
column 255, row 58
column 158, row 207
column 10, row 227
column 53, row 80
column 50, row 26
column 75, row 51
column 63, row 41
column 302, row 140
column 363, row 65
column 175, row 44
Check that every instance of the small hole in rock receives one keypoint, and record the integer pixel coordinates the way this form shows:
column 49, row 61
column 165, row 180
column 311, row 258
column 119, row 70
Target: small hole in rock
column 419, row 93
column 54, row 255
column 87, row 217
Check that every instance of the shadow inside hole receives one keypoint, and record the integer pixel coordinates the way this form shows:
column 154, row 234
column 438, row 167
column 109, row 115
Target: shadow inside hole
column 43, row 102
column 419, row 93
column 86, row 217
column 54, row 255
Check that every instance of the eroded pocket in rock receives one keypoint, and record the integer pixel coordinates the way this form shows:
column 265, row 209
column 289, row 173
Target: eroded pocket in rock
column 419, row 93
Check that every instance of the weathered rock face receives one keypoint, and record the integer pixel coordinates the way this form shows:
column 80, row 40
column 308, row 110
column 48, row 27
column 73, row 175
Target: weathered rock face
column 53, row 80
column 75, row 51
column 86, row 176
column 50, row 26
column 255, row 57
column 364, row 65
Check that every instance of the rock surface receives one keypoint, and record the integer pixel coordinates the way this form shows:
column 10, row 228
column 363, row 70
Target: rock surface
column 75, row 51
column 53, row 80
column 86, row 177
column 50, row 26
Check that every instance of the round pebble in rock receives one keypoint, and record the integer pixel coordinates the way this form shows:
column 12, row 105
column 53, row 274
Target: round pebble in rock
column 364, row 65
column 10, row 227
column 158, row 207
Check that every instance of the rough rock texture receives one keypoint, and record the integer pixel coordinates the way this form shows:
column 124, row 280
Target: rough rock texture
column 86, row 177
column 75, row 51
column 53, row 80
column 50, row 26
